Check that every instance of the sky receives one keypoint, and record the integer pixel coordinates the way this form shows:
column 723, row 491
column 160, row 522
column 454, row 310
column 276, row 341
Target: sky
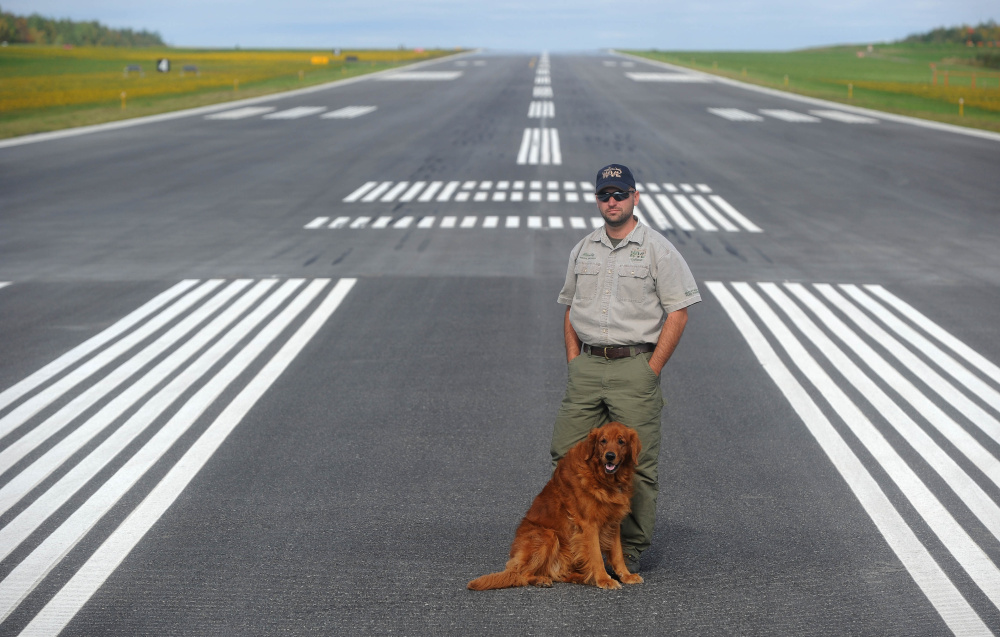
column 522, row 25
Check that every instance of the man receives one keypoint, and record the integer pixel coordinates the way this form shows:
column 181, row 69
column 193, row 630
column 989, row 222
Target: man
column 628, row 290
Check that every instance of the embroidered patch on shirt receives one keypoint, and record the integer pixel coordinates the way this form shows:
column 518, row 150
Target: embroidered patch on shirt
column 587, row 255
column 637, row 254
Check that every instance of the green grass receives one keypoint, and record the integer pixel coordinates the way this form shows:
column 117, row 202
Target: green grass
column 51, row 88
column 896, row 78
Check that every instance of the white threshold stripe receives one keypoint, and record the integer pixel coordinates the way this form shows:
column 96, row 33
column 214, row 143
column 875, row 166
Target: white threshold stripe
column 23, row 387
column 39, row 401
column 41, row 468
column 714, row 214
column 55, row 496
column 449, row 189
column 926, row 573
column 412, row 192
column 734, row 213
column 960, row 348
column 4, row 284
column 395, row 191
column 72, row 410
column 556, row 150
column 966, row 552
column 242, row 113
column 27, row 575
column 377, row 192
column 988, row 395
column 533, row 150
column 29, row 442
column 928, row 376
column 432, row 189
column 694, row 213
column 957, row 480
column 679, row 219
column 522, row 153
column 357, row 194
column 59, row 611
column 655, row 213
column 955, row 433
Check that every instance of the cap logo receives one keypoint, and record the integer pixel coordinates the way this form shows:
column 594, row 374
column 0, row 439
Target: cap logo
column 611, row 171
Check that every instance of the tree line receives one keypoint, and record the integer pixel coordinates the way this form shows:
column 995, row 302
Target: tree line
column 988, row 31
column 36, row 29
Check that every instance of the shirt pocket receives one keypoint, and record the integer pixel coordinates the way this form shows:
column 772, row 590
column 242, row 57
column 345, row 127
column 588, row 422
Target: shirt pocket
column 634, row 283
column 586, row 280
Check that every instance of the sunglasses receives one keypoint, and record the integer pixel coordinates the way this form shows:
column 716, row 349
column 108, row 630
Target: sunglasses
column 619, row 195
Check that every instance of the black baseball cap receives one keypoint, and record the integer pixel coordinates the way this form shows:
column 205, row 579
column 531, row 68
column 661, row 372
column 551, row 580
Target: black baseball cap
column 615, row 175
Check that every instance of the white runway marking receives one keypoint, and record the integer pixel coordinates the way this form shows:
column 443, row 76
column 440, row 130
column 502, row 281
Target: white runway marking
column 684, row 206
column 847, row 118
column 735, row 115
column 542, row 109
column 58, row 612
column 542, row 91
column 668, row 77
column 789, row 116
column 349, row 112
column 540, row 146
column 296, row 113
column 241, row 113
column 229, row 326
column 4, row 284
column 421, row 76
column 551, row 222
column 798, row 363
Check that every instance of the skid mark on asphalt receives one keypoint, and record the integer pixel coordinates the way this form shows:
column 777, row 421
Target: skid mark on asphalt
column 200, row 337
column 915, row 378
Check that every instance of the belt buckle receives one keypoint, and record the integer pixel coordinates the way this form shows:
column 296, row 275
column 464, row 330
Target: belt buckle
column 606, row 348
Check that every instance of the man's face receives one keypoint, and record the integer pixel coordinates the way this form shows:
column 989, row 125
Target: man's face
column 617, row 213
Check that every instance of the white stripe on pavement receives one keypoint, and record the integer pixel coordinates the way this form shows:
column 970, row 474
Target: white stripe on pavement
column 19, row 389
column 925, row 571
column 241, row 113
column 29, row 408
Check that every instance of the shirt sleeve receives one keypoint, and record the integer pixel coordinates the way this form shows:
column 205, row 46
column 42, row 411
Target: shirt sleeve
column 675, row 285
column 569, row 286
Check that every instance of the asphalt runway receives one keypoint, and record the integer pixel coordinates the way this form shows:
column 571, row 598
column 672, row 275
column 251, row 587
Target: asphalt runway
column 292, row 367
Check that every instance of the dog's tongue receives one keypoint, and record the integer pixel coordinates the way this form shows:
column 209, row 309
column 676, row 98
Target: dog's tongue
column 609, row 467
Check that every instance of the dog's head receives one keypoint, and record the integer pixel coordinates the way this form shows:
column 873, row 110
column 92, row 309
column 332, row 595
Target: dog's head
column 614, row 445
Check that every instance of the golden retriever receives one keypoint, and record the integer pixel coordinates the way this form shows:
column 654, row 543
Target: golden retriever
column 576, row 518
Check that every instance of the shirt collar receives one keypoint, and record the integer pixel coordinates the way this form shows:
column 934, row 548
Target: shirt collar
column 638, row 235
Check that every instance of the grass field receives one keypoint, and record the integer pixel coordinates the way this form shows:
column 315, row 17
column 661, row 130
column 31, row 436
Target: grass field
column 48, row 88
column 921, row 80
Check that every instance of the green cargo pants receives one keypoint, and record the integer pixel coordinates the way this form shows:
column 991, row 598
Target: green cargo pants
column 599, row 391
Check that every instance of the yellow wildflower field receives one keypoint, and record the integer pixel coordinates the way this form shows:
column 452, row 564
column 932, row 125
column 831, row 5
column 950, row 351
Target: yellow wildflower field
column 47, row 82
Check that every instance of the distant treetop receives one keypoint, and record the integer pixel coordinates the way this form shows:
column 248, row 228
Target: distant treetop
column 987, row 31
column 35, row 29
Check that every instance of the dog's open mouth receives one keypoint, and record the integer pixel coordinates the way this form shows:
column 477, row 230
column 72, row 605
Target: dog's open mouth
column 610, row 468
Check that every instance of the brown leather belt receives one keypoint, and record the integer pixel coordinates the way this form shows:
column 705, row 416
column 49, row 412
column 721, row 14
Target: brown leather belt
column 617, row 351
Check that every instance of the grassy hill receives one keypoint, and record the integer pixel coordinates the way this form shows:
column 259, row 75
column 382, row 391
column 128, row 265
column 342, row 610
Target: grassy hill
column 938, row 81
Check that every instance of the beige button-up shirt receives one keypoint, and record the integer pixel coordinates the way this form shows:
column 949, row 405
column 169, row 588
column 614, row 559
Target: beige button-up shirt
column 621, row 296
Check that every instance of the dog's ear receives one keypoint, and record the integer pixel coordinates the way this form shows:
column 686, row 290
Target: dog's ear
column 634, row 445
column 595, row 433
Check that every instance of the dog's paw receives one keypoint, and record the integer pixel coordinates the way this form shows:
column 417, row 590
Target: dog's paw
column 631, row 578
column 543, row 582
column 608, row 584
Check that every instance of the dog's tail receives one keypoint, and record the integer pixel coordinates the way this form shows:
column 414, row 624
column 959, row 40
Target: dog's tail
column 503, row 579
